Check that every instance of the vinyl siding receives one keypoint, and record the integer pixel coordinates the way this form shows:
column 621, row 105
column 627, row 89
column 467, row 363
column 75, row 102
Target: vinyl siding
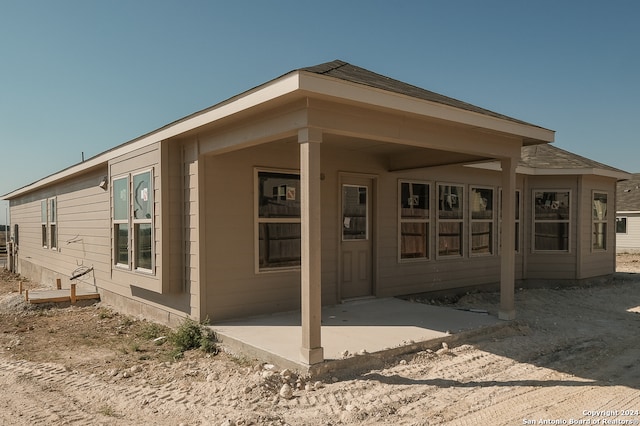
column 630, row 241
column 596, row 262
column 82, row 225
column 235, row 289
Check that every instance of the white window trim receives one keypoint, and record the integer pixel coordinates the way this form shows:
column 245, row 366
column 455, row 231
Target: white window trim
column 492, row 251
column 130, row 221
column 257, row 221
column 44, row 223
column 143, row 221
column 52, row 204
column 427, row 221
column 462, row 221
column 115, row 221
column 604, row 221
column 534, row 221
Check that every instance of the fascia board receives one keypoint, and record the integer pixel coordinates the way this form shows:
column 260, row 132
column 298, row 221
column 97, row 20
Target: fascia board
column 269, row 91
column 628, row 212
column 373, row 96
column 531, row 171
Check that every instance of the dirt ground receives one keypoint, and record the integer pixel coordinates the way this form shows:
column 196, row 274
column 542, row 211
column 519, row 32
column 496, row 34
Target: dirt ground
column 571, row 357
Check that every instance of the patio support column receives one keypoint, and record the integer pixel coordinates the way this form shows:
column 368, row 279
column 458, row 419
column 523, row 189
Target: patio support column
column 508, row 256
column 310, row 273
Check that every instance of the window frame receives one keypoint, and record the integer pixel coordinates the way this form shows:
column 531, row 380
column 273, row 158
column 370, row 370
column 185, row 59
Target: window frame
column 53, row 222
column 117, row 222
column 137, row 222
column 595, row 221
column 564, row 221
column 258, row 221
column 460, row 220
column 132, row 223
column 44, row 222
column 426, row 221
column 491, row 221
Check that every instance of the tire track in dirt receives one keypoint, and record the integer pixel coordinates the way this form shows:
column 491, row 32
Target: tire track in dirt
column 84, row 398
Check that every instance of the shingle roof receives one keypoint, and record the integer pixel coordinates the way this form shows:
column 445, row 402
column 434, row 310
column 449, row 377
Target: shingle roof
column 547, row 156
column 629, row 194
column 345, row 71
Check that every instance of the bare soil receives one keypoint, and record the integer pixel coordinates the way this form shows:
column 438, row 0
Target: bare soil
column 573, row 355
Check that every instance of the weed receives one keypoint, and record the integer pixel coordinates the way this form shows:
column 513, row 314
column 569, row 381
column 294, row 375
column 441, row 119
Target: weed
column 104, row 314
column 192, row 335
column 127, row 322
column 152, row 331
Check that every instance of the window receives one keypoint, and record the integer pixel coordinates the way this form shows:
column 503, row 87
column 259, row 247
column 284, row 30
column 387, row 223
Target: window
column 278, row 221
column 142, row 197
column 355, row 220
column 414, row 220
column 133, row 210
column 53, row 223
column 482, row 217
column 599, row 221
column 43, row 219
column 621, row 225
column 450, row 220
column 551, row 220
column 48, row 220
column 121, row 221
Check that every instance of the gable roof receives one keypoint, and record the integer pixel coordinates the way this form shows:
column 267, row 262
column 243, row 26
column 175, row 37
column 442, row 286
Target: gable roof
column 336, row 79
column 348, row 72
column 552, row 157
column 628, row 192
column 546, row 159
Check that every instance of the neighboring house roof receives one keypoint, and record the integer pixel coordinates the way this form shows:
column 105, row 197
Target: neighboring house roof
column 547, row 159
column 336, row 80
column 629, row 195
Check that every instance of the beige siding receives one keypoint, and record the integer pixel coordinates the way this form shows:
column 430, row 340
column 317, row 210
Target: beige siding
column 235, row 289
column 595, row 262
column 83, row 230
column 85, row 238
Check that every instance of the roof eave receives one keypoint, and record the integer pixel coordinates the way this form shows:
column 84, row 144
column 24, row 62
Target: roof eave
column 286, row 84
column 355, row 92
column 534, row 171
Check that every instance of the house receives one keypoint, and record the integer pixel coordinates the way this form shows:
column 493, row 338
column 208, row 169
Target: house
column 628, row 215
column 327, row 184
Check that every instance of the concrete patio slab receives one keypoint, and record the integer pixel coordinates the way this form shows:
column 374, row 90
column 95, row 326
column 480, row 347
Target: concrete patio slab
column 378, row 327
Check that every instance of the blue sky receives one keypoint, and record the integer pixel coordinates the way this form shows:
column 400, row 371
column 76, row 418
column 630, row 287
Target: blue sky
column 86, row 75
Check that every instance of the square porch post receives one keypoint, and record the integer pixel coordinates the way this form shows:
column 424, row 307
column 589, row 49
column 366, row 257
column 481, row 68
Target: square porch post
column 311, row 350
column 507, row 259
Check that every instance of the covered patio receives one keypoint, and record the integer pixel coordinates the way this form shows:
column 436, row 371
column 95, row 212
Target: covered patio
column 355, row 335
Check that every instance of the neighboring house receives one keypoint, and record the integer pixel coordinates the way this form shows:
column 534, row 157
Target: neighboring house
column 628, row 215
column 326, row 184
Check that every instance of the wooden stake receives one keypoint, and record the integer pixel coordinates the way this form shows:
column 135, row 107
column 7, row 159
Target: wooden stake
column 58, row 283
column 20, row 287
column 26, row 295
column 73, row 294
